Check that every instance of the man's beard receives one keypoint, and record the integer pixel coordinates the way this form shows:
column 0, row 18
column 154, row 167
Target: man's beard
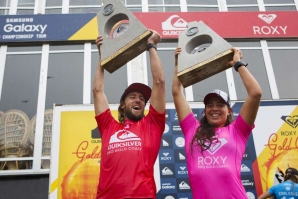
column 128, row 113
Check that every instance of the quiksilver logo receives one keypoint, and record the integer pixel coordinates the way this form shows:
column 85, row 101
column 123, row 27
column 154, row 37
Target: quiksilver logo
column 174, row 25
column 245, row 168
column 124, row 140
column 123, row 136
column 184, row 185
column 167, row 171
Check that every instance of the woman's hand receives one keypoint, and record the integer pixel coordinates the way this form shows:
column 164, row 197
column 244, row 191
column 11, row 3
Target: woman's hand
column 177, row 52
column 99, row 42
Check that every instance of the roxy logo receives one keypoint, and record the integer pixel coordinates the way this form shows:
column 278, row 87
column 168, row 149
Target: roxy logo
column 166, row 157
column 182, row 171
column 291, row 120
column 269, row 30
column 212, row 162
column 174, row 25
column 267, row 18
column 216, row 145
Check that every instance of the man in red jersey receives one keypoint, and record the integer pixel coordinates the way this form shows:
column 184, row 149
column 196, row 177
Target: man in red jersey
column 130, row 146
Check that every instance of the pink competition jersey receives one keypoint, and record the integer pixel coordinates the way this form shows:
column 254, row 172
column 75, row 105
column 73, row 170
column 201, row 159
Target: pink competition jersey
column 216, row 173
column 128, row 155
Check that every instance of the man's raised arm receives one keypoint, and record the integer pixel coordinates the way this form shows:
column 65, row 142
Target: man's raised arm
column 100, row 100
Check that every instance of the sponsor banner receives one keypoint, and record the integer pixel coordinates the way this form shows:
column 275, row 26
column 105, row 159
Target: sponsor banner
column 76, row 145
column 76, row 148
column 48, row 27
column 84, row 27
column 276, row 142
column 226, row 24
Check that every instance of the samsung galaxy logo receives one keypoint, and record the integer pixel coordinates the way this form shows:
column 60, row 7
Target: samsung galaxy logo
column 167, row 186
column 247, row 183
column 176, row 128
column 25, row 28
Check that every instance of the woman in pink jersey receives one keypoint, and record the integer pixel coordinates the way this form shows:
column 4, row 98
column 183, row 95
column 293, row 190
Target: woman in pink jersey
column 215, row 145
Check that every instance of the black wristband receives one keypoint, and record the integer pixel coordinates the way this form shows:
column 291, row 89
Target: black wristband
column 239, row 64
column 151, row 45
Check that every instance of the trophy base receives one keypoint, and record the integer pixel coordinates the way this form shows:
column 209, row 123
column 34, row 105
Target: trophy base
column 205, row 69
column 126, row 53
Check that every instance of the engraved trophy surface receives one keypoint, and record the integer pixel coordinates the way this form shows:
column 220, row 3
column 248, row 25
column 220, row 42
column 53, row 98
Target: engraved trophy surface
column 204, row 53
column 124, row 36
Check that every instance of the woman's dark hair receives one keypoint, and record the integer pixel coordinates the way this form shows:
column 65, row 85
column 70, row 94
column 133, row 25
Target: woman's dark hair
column 292, row 177
column 121, row 112
column 203, row 137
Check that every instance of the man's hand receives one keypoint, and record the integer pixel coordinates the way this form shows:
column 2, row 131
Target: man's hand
column 155, row 38
column 237, row 56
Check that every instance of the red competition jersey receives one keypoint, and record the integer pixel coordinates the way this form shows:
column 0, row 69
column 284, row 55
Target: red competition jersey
column 128, row 155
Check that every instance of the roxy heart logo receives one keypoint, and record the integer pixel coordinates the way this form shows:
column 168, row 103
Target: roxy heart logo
column 268, row 18
column 291, row 120
column 216, row 145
